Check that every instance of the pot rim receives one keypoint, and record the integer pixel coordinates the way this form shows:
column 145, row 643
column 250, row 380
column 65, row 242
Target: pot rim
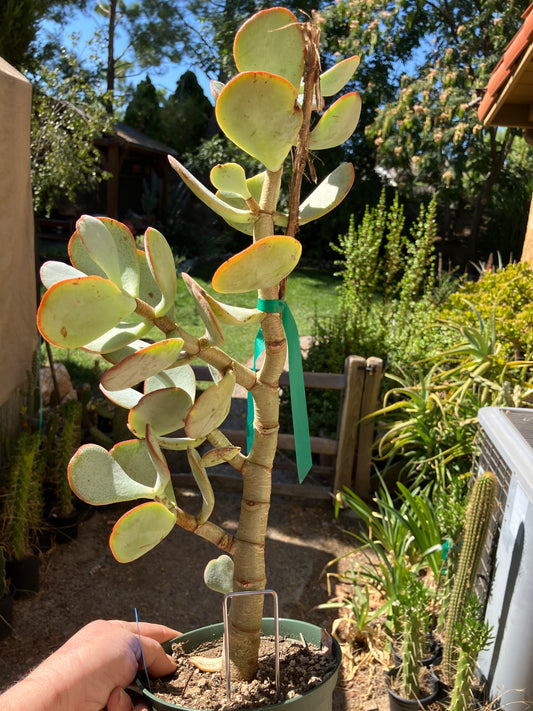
column 215, row 631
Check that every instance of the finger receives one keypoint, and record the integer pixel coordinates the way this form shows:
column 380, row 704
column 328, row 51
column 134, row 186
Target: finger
column 161, row 633
column 158, row 663
column 119, row 701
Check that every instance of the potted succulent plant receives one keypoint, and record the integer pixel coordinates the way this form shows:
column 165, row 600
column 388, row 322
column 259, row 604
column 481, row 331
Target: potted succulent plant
column 114, row 294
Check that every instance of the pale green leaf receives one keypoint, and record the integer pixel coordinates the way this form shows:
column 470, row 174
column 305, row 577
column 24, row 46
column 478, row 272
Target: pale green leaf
column 336, row 78
column 179, row 444
column 163, row 268
column 230, row 178
column 180, row 377
column 140, row 530
column 218, row 206
column 100, row 246
column 203, row 308
column 219, row 456
column 149, row 291
column 127, row 398
column 331, row 191
column 97, row 478
column 271, row 41
column 259, row 113
column 211, row 408
column 218, row 574
column 265, row 263
column 118, row 337
column 75, row 312
column 337, row 124
column 142, row 364
column 54, row 272
column 204, row 485
column 164, row 410
column 224, row 313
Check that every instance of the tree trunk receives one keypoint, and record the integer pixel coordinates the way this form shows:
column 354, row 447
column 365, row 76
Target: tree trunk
column 498, row 155
column 110, row 73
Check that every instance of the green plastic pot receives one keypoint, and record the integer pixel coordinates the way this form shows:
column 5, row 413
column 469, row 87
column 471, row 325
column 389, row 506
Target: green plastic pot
column 319, row 698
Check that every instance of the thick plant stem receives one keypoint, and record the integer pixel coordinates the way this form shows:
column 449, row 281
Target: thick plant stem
column 249, row 565
column 478, row 517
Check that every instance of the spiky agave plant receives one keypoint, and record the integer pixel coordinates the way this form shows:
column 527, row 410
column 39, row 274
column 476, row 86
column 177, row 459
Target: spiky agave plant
column 113, row 294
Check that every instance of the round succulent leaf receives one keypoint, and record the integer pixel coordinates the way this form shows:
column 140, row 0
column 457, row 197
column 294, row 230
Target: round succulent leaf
column 261, row 265
column 336, row 78
column 271, row 41
column 142, row 364
column 337, row 123
column 180, row 377
column 211, row 408
column 230, row 178
column 221, row 455
column 179, row 444
column 203, row 484
column 118, row 337
column 149, row 291
column 127, row 398
column 331, row 191
column 133, row 456
column 218, row 574
column 54, row 272
column 120, row 353
column 159, row 462
column 233, row 315
column 81, row 259
column 140, row 530
column 163, row 268
column 75, row 312
column 100, row 246
column 127, row 254
column 255, row 185
column 259, row 113
column 164, row 410
column 217, row 205
column 97, row 478
column 203, row 308
column 215, row 87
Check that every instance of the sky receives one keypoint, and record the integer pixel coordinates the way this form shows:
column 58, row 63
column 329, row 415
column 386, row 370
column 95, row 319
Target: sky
column 86, row 24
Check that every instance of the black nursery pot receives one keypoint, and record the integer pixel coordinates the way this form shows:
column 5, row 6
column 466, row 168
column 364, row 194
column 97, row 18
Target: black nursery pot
column 433, row 651
column 64, row 528
column 398, row 703
column 24, row 575
column 6, row 613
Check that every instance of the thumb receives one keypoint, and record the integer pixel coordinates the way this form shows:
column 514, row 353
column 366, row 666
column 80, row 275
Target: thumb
column 119, row 701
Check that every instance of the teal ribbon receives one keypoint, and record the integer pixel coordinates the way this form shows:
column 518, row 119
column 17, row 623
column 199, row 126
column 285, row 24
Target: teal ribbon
column 302, row 443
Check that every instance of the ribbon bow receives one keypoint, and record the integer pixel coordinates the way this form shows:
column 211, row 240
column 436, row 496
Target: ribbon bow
column 296, row 383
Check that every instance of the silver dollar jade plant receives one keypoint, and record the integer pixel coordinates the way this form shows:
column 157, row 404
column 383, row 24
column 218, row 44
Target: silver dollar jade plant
column 113, row 295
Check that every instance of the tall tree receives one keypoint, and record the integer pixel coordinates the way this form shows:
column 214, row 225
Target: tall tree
column 19, row 25
column 438, row 57
column 144, row 110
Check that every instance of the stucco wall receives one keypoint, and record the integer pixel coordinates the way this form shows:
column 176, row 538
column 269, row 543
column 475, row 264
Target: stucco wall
column 18, row 335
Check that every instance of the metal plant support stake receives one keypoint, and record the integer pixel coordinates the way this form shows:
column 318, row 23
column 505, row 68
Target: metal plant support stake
column 226, row 635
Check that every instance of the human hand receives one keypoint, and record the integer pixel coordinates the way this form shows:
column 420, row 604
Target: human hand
column 92, row 669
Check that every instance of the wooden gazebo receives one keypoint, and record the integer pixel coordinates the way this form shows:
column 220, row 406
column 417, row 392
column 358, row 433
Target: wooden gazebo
column 508, row 99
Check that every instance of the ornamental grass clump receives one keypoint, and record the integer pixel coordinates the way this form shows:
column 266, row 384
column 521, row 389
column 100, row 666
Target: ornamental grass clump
column 114, row 294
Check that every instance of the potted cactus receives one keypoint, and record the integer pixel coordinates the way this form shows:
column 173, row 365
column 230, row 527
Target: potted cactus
column 114, row 294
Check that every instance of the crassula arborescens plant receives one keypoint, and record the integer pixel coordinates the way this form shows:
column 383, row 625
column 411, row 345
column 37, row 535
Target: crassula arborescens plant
column 113, row 294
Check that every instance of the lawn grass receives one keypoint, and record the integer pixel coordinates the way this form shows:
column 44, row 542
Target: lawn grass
column 310, row 294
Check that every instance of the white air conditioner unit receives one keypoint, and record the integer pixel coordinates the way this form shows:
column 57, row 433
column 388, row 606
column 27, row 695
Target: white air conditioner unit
column 507, row 450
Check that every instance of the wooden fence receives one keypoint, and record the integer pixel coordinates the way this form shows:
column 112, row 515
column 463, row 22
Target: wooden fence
column 349, row 454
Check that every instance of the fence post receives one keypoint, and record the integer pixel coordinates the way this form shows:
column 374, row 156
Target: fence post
column 354, row 374
column 369, row 403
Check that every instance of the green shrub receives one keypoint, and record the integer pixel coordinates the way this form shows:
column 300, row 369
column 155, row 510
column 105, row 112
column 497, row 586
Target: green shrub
column 508, row 294
column 388, row 302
